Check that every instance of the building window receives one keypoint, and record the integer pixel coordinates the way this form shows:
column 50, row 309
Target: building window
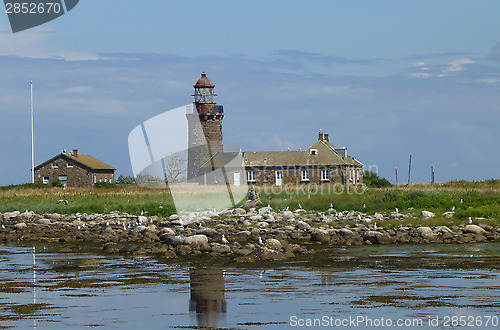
column 325, row 175
column 251, row 176
column 305, row 175
column 46, row 180
column 55, row 165
column 69, row 165
column 313, row 152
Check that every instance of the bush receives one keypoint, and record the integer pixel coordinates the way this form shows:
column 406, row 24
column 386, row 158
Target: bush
column 372, row 180
column 125, row 179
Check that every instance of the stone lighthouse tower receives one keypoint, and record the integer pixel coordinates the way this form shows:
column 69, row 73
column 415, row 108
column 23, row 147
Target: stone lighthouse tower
column 205, row 128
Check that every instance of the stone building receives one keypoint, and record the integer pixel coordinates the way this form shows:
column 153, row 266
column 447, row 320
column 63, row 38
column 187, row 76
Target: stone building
column 208, row 163
column 74, row 170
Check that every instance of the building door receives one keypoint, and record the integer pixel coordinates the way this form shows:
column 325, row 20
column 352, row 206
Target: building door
column 63, row 179
column 279, row 178
column 237, row 179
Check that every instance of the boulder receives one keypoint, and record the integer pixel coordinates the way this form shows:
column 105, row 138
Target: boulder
column 301, row 225
column 346, row 232
column 263, row 224
column 427, row 214
column 20, row 225
column 377, row 237
column 197, row 240
column 239, row 211
column 320, row 235
column 426, row 233
column 243, row 236
column 475, row 229
column 378, row 217
column 173, row 217
column 167, row 232
column 175, row 240
column 11, row 215
column 288, row 215
column 140, row 229
column 210, row 232
column 45, row 222
column 273, row 244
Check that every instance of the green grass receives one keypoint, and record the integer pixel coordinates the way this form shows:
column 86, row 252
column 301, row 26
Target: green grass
column 480, row 199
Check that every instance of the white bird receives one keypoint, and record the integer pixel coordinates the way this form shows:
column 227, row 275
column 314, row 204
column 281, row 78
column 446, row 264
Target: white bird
column 261, row 273
column 287, row 208
column 3, row 227
column 142, row 212
column 260, row 241
column 160, row 207
column 359, row 216
column 300, row 206
column 452, row 208
column 470, row 220
column 397, row 211
column 364, row 205
column 79, row 228
column 331, row 205
column 151, row 221
column 124, row 227
column 461, row 201
column 224, row 239
column 65, row 202
column 107, row 224
column 375, row 226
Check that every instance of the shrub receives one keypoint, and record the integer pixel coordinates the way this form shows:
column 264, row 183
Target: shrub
column 372, row 180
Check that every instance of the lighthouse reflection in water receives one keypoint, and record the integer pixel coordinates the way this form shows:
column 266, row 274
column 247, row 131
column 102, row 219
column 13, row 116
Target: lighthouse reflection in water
column 207, row 295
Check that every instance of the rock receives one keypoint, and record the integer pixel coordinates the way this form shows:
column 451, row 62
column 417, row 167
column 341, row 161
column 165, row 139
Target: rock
column 44, row 222
column 221, row 248
column 301, row 225
column 140, row 229
column 377, row 237
column 449, row 214
column 256, row 217
column 243, row 236
column 52, row 216
column 346, row 232
column 273, row 244
column 427, row 214
column 173, row 217
column 443, row 229
column 197, row 240
column 378, row 217
column 20, row 225
column 475, row 229
column 288, row 215
column 426, row 233
column 239, row 211
column 142, row 219
column 167, row 232
column 320, row 235
column 210, row 232
column 11, row 215
column 263, row 224
column 175, row 240
column 265, row 210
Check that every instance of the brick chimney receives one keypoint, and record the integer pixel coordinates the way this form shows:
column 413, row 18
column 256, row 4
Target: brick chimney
column 326, row 138
column 320, row 136
column 75, row 152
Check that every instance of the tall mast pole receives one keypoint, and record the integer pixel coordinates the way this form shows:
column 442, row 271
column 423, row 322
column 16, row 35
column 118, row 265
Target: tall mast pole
column 32, row 139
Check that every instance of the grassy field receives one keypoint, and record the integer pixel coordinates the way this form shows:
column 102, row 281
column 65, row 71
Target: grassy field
column 470, row 199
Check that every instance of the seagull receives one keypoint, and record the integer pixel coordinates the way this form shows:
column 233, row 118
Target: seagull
column 375, row 226
column 461, row 201
column 260, row 241
column 124, row 227
column 107, row 224
column 3, row 227
column 300, row 206
column 470, row 220
column 224, row 239
column 65, row 202
column 397, row 211
column 331, row 205
column 160, row 207
column 359, row 216
column 151, row 221
column 142, row 212
column 364, row 205
column 287, row 208
column 79, row 228
column 452, row 208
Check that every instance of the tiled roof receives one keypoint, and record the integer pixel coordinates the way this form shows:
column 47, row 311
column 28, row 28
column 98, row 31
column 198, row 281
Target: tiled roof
column 90, row 161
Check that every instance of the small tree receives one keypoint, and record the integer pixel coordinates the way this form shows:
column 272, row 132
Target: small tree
column 372, row 180
column 125, row 179
column 175, row 168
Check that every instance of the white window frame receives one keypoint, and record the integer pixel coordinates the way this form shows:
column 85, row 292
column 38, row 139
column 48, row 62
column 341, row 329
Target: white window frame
column 325, row 175
column 70, row 165
column 313, row 152
column 55, row 165
column 304, row 175
column 251, row 176
column 46, row 180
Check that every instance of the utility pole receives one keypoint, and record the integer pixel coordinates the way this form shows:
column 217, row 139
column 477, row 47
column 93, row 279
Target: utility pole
column 32, row 139
column 409, row 170
column 396, row 175
column 432, row 174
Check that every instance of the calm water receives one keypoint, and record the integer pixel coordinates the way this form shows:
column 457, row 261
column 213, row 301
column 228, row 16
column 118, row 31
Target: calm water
column 412, row 285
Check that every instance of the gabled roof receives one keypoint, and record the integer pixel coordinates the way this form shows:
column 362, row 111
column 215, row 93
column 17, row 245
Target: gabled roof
column 325, row 155
column 83, row 159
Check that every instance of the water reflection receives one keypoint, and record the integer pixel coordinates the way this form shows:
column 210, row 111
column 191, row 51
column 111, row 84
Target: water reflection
column 207, row 295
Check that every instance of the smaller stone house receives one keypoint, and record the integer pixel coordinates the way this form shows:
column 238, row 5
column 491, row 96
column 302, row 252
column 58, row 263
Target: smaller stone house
column 74, row 170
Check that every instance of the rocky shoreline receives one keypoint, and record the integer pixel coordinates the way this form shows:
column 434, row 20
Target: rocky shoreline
column 261, row 234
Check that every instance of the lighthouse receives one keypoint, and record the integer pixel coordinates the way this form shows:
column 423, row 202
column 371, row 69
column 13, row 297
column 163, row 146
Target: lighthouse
column 205, row 128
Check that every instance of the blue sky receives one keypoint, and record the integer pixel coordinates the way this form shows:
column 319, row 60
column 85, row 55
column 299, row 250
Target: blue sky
column 385, row 78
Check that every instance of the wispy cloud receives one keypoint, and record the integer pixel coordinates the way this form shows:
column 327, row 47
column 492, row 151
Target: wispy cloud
column 428, row 71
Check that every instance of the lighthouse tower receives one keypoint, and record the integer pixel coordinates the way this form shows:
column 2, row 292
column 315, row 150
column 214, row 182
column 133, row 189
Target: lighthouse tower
column 205, row 128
